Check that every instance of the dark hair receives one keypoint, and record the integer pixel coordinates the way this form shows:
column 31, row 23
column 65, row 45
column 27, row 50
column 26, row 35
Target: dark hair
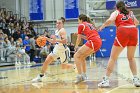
column 83, row 17
column 63, row 19
column 87, row 19
column 121, row 6
column 90, row 21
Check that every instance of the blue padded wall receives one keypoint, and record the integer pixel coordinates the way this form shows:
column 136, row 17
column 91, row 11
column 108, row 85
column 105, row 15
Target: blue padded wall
column 107, row 35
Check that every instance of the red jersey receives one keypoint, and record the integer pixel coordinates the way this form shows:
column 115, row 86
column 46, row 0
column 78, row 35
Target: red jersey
column 87, row 29
column 124, row 20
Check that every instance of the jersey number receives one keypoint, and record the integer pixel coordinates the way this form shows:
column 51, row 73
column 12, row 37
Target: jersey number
column 90, row 26
column 125, row 17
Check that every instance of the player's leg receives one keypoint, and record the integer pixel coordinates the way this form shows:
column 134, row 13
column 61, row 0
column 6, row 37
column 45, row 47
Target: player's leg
column 50, row 58
column 80, row 63
column 116, row 50
column 132, row 63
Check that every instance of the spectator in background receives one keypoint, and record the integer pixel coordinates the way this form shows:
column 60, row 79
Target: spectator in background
column 31, row 28
column 16, row 34
column 46, row 33
column 7, row 46
column 72, row 51
column 26, row 44
column 12, row 41
column 21, row 53
column 32, row 48
column 1, row 45
column 23, row 35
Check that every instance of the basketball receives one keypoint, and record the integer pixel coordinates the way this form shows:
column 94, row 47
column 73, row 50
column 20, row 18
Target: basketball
column 41, row 41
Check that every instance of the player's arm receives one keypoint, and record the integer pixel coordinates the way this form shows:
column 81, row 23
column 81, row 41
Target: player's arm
column 81, row 28
column 83, row 37
column 78, row 40
column 50, row 40
column 110, row 20
column 136, row 22
column 63, row 37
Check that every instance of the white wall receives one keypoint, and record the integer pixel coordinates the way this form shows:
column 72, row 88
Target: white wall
column 59, row 8
column 49, row 14
column 8, row 4
column 25, row 8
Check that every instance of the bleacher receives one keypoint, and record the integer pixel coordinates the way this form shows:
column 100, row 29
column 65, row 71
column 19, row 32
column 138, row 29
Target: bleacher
column 12, row 26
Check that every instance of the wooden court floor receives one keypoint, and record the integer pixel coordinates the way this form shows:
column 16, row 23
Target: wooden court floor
column 17, row 79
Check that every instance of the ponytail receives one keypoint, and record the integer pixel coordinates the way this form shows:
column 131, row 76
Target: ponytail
column 124, row 10
column 90, row 21
column 63, row 19
column 121, row 6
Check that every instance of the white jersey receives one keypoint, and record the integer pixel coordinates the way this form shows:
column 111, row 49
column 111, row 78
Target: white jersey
column 57, row 35
column 59, row 48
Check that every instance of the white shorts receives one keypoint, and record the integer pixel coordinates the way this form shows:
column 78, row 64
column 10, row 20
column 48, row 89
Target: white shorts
column 60, row 51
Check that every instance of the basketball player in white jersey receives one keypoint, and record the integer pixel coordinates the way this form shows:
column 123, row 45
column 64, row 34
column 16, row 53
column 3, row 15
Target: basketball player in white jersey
column 60, row 40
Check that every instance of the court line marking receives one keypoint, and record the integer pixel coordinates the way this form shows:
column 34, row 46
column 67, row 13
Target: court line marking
column 116, row 88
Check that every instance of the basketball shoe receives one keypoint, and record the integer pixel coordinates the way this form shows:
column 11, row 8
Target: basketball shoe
column 79, row 78
column 84, row 76
column 37, row 79
column 104, row 83
column 136, row 82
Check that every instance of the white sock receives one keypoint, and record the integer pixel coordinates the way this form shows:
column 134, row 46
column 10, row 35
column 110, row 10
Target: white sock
column 79, row 74
column 135, row 76
column 84, row 74
column 106, row 77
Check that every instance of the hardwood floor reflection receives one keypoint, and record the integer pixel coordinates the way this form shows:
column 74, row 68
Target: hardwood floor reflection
column 18, row 79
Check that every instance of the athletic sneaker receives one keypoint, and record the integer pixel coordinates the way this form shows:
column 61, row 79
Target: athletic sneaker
column 84, row 76
column 79, row 79
column 136, row 82
column 37, row 79
column 104, row 83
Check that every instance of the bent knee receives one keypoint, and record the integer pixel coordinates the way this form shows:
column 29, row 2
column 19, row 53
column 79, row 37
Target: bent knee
column 77, row 55
column 130, row 59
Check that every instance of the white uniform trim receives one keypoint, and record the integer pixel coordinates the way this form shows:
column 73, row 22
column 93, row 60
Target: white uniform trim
column 118, row 42
column 83, row 27
column 129, row 26
column 59, row 49
column 114, row 15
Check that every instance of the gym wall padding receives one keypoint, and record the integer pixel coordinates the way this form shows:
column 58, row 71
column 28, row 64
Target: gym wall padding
column 107, row 35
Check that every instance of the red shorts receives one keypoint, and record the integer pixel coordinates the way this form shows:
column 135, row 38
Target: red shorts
column 94, row 43
column 126, row 36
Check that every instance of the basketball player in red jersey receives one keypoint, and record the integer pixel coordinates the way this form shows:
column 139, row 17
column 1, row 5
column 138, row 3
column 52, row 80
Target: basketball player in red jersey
column 126, row 36
column 86, row 31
